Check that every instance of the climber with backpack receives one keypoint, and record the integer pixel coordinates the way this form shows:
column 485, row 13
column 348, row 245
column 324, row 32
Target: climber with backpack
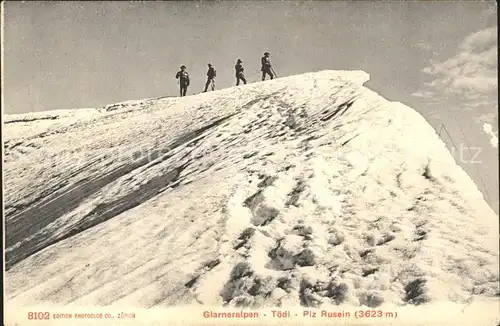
column 183, row 77
column 266, row 66
column 239, row 72
column 211, row 73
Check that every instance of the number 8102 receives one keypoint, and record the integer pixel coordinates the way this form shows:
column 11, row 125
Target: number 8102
column 38, row 315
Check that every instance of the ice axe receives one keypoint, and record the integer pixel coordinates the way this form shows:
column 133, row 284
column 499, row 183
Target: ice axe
column 274, row 72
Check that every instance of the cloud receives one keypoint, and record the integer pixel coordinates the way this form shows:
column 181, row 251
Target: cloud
column 471, row 74
column 488, row 129
column 423, row 94
column 485, row 38
column 478, row 103
column 491, row 118
column 481, row 84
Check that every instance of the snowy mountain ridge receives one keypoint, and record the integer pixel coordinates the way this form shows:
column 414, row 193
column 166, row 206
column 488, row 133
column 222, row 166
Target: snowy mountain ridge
column 309, row 190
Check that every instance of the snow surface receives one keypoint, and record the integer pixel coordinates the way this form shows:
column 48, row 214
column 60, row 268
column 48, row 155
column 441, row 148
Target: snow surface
column 310, row 190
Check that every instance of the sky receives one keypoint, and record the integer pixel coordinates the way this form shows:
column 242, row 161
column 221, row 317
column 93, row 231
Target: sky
column 439, row 57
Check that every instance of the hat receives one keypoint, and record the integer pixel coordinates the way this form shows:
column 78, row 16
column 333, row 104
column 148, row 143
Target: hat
column 183, row 66
column 266, row 53
column 210, row 65
column 239, row 60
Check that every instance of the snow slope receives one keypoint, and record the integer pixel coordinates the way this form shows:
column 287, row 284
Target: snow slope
column 308, row 190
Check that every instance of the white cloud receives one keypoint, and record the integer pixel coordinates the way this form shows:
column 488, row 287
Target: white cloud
column 423, row 94
column 427, row 70
column 491, row 118
column 488, row 129
column 484, row 38
column 481, row 84
column 471, row 73
column 471, row 103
